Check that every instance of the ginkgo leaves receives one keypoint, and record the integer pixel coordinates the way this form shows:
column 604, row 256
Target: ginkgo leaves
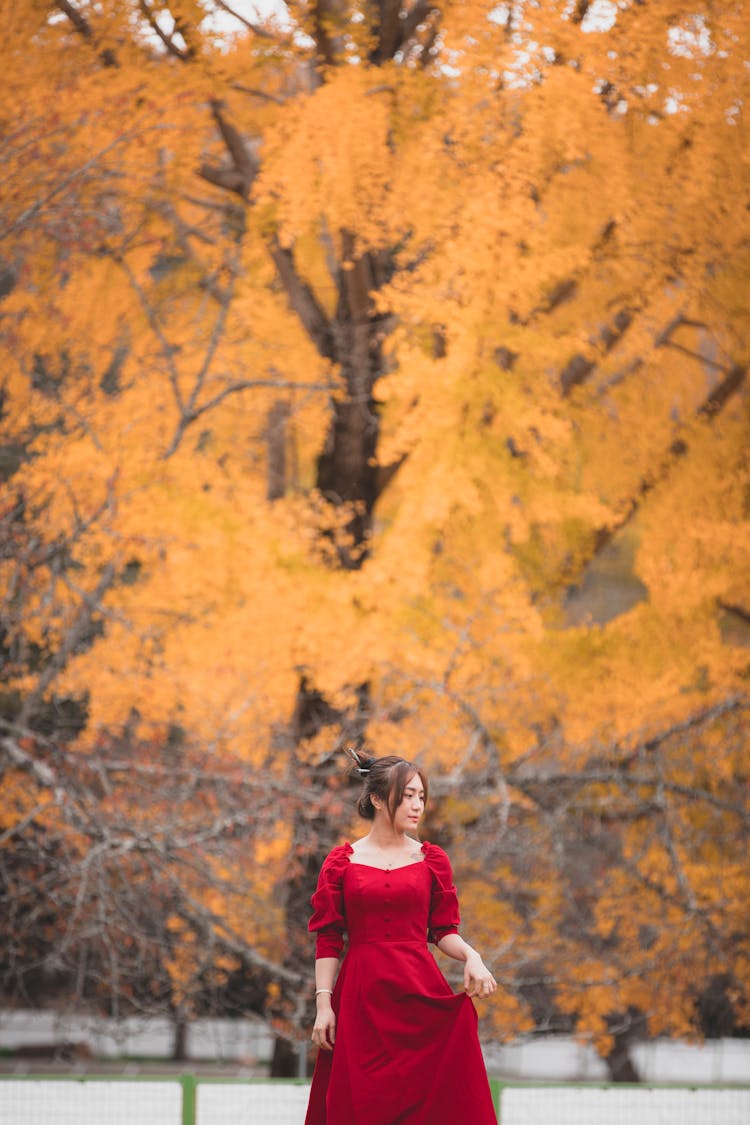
column 406, row 385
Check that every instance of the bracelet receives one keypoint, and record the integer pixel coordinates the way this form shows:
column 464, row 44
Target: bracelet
column 328, row 990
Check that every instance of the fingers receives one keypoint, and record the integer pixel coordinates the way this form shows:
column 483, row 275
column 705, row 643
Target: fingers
column 324, row 1036
column 489, row 984
column 480, row 986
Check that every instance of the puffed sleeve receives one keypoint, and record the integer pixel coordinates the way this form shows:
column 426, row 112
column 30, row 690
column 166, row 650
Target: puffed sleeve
column 444, row 916
column 329, row 917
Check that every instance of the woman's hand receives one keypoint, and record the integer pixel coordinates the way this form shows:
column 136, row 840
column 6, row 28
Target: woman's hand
column 324, row 1031
column 478, row 980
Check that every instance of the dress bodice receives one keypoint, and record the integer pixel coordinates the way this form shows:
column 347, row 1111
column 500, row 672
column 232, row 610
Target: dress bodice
column 387, row 905
column 415, row 902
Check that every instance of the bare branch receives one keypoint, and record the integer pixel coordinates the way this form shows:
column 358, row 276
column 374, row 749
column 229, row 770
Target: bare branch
column 531, row 784
column 167, row 349
column 183, row 54
column 21, row 759
column 233, row 389
column 481, row 735
column 256, row 28
column 61, row 187
column 75, row 634
column 254, row 92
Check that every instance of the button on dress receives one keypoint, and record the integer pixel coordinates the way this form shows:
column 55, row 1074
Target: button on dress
column 407, row 1050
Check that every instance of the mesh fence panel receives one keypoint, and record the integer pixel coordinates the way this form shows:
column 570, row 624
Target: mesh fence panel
column 255, row 1103
column 50, row 1102
column 114, row 1102
column 568, row 1105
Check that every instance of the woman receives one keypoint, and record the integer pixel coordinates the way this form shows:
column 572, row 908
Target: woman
column 397, row 1047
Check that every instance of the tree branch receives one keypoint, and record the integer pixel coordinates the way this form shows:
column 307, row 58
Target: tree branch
column 240, row 175
column 83, row 27
column 735, row 376
column 419, row 14
column 326, row 15
column 256, row 28
column 254, row 92
column 89, row 606
column 236, row 388
column 303, row 300
column 167, row 349
column 388, row 31
column 168, row 40
column 530, row 784
column 32, row 211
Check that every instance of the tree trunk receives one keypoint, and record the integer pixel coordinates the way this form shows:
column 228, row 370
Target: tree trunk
column 179, row 1043
column 315, row 831
column 619, row 1063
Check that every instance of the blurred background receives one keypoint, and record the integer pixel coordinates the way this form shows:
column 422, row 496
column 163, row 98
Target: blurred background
column 374, row 374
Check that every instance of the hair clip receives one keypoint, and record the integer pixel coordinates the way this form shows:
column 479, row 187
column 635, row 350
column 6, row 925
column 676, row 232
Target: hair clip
column 354, row 756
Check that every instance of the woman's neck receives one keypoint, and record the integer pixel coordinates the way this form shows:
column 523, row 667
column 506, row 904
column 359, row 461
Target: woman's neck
column 384, row 836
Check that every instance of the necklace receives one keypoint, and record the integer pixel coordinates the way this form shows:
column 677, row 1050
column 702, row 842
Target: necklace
column 385, row 863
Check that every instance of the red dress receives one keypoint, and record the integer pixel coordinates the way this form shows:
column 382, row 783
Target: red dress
column 407, row 1050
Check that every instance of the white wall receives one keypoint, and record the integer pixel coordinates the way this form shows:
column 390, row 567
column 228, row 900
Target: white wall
column 562, row 1058
column 247, row 1040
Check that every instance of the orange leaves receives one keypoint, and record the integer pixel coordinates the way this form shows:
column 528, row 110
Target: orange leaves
column 703, row 514
column 181, row 964
column 329, row 161
column 22, row 801
column 517, row 260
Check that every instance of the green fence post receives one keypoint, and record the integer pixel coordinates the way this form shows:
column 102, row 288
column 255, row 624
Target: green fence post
column 188, row 1099
column 496, row 1088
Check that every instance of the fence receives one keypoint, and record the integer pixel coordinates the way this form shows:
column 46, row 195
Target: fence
column 69, row 1100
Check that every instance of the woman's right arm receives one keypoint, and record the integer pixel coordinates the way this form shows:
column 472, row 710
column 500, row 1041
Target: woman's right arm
column 324, row 1031
column 329, row 923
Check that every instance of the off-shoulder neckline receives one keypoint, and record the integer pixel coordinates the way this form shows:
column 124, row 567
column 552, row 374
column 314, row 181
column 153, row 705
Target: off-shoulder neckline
column 349, row 850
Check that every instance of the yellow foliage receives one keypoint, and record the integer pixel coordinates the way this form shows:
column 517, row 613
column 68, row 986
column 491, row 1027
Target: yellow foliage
column 505, row 262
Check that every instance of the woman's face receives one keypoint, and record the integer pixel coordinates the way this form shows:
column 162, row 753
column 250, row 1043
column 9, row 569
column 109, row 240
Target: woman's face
column 409, row 812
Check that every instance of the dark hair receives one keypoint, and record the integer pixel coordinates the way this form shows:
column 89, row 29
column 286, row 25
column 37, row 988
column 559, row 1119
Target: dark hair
column 385, row 778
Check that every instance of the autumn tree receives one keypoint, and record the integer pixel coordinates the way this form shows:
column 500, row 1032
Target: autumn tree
column 379, row 371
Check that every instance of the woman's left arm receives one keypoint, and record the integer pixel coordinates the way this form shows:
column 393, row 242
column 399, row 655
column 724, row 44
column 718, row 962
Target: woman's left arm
column 478, row 980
